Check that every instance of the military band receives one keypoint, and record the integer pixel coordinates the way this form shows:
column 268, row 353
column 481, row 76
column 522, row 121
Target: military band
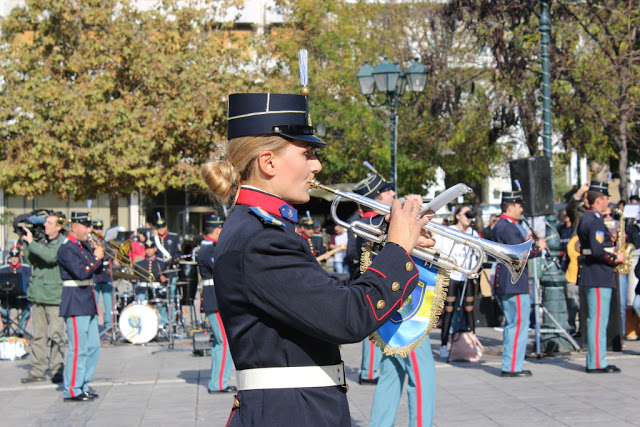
column 220, row 354
column 78, row 263
column 595, row 273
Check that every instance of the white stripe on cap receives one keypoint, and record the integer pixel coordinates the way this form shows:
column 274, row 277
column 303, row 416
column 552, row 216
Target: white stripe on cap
column 265, row 113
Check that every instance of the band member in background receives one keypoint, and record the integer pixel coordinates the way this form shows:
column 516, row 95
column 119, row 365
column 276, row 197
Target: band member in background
column 595, row 274
column 23, row 274
column 220, row 354
column 137, row 244
column 154, row 267
column 44, row 293
column 315, row 241
column 279, row 307
column 169, row 250
column 102, row 283
column 78, row 262
column 372, row 187
column 514, row 297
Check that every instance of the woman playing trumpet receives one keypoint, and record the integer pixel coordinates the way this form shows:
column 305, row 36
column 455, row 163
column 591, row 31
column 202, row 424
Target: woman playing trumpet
column 285, row 317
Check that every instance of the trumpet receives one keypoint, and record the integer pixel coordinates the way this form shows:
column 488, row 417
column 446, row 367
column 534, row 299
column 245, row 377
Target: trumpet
column 121, row 254
column 514, row 257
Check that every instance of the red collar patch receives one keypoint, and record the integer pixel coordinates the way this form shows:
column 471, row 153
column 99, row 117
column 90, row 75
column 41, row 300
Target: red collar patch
column 508, row 218
column 270, row 203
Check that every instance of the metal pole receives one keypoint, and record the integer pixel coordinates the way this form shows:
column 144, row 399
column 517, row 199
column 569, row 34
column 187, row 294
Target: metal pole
column 545, row 30
column 394, row 134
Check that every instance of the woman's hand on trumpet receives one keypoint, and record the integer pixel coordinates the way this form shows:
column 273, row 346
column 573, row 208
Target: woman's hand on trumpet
column 405, row 227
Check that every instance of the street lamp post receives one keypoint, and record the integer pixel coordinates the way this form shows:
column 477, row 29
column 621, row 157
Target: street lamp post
column 389, row 79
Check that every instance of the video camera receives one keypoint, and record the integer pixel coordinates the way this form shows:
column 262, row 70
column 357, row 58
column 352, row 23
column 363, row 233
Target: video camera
column 34, row 222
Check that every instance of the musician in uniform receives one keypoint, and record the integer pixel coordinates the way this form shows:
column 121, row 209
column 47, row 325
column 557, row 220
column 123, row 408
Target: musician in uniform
column 23, row 271
column 315, row 241
column 376, row 188
column 168, row 245
column 285, row 317
column 79, row 261
column 514, row 297
column 595, row 274
column 220, row 354
column 154, row 268
column 102, row 282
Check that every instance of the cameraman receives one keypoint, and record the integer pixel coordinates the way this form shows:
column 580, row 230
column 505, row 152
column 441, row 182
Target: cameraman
column 44, row 293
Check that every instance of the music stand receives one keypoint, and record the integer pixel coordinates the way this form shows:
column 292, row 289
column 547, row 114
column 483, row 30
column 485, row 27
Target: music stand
column 11, row 284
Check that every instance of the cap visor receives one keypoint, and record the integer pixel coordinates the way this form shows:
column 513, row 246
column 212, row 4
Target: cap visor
column 311, row 139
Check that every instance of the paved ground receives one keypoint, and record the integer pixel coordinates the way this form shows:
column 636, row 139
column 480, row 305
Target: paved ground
column 145, row 386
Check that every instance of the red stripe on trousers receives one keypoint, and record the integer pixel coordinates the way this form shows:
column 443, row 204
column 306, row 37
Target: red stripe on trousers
column 597, row 337
column 372, row 357
column 515, row 342
column 224, row 349
column 416, row 374
column 75, row 356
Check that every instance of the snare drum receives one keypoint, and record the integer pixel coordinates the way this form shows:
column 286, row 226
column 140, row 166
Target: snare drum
column 139, row 323
column 157, row 293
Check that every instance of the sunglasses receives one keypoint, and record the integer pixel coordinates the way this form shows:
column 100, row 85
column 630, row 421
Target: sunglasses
column 607, row 215
column 470, row 214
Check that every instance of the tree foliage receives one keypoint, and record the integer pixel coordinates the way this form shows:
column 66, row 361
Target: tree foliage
column 102, row 97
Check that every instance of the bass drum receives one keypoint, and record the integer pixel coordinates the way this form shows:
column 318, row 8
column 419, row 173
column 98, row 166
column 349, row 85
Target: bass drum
column 139, row 323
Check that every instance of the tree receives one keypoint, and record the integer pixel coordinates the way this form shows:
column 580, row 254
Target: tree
column 102, row 97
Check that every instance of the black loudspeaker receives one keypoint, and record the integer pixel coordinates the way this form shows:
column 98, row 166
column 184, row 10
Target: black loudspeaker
column 534, row 176
column 487, row 312
column 202, row 343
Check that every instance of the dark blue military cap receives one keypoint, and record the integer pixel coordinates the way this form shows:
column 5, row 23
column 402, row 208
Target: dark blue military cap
column 371, row 186
column 149, row 243
column 286, row 115
column 14, row 252
column 600, row 187
column 83, row 218
column 316, row 223
column 213, row 221
column 98, row 224
column 512, row 196
column 161, row 222
column 307, row 221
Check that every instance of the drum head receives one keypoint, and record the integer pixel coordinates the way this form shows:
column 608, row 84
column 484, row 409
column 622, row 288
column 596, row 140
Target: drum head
column 139, row 323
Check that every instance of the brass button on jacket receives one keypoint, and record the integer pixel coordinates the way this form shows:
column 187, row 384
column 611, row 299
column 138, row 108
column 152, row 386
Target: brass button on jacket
column 409, row 266
column 380, row 305
column 395, row 286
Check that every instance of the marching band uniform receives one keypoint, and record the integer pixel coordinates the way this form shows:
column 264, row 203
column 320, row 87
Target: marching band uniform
column 316, row 245
column 80, row 311
column 102, row 283
column 514, row 297
column 284, row 315
column 168, row 245
column 154, row 266
column 371, row 354
column 25, row 273
column 595, row 273
column 220, row 354
column 420, row 370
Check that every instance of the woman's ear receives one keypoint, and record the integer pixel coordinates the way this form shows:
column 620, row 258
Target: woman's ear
column 266, row 163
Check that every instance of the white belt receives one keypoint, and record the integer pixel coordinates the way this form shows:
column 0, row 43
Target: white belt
column 75, row 283
column 291, row 377
column 207, row 282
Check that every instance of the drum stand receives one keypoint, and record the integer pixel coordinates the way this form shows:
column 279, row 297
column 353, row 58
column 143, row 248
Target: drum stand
column 171, row 317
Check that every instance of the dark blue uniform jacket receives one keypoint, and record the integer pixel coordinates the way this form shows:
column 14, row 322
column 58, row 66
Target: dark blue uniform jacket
column 595, row 266
column 155, row 266
column 506, row 231
column 77, row 262
column 23, row 270
column 205, row 260
column 280, row 308
column 104, row 275
column 171, row 242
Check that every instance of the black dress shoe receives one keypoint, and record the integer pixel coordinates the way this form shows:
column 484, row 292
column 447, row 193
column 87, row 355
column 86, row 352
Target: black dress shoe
column 611, row 369
column 84, row 397
column 92, row 395
column 523, row 373
column 229, row 389
column 57, row 378
column 367, row 381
